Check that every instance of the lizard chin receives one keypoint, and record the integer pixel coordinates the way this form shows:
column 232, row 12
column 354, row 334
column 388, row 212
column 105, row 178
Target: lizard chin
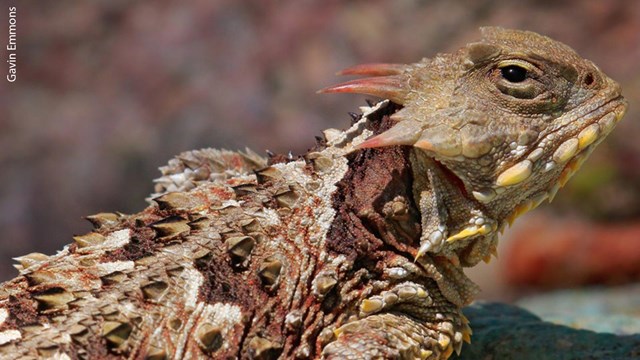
column 569, row 156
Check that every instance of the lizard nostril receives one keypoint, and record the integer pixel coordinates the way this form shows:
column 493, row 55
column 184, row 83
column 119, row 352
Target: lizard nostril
column 588, row 80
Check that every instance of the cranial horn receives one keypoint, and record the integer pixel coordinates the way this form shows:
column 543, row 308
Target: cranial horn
column 377, row 69
column 439, row 139
column 406, row 132
column 388, row 87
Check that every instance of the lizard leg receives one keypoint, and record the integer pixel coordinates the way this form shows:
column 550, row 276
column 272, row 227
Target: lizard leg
column 444, row 229
column 434, row 214
column 405, row 322
column 393, row 336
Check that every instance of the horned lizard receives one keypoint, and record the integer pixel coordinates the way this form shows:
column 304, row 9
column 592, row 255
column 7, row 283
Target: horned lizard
column 353, row 250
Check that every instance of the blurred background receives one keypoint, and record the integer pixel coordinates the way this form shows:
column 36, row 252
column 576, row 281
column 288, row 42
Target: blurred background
column 108, row 91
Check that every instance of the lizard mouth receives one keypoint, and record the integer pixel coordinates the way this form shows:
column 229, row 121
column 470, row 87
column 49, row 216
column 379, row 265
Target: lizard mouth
column 574, row 151
column 568, row 157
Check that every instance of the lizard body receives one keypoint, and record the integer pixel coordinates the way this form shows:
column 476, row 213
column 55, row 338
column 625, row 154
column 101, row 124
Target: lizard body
column 354, row 250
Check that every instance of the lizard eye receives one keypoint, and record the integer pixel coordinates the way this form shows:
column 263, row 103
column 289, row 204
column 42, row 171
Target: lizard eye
column 514, row 73
column 517, row 78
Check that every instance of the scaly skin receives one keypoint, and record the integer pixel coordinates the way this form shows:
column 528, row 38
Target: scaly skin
column 354, row 250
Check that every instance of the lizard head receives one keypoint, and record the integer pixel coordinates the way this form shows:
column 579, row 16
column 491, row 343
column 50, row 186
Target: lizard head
column 513, row 116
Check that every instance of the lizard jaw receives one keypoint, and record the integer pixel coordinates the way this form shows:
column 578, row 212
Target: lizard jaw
column 475, row 236
column 573, row 152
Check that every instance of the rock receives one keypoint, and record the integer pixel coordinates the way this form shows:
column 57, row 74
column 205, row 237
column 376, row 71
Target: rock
column 502, row 331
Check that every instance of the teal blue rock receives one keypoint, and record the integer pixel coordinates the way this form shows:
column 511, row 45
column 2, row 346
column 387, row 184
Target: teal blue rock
column 508, row 332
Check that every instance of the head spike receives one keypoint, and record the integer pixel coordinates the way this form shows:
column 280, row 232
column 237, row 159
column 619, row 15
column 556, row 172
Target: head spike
column 403, row 133
column 388, row 87
column 376, row 69
column 441, row 139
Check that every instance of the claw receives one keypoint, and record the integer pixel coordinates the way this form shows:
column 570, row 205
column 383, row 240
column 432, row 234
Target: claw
column 426, row 246
column 494, row 251
column 444, row 341
column 424, row 354
column 388, row 87
column 466, row 336
column 435, row 238
column 376, row 69
column 458, row 348
column 447, row 353
column 466, row 329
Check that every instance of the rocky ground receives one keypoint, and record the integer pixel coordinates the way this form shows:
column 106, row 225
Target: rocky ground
column 595, row 324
